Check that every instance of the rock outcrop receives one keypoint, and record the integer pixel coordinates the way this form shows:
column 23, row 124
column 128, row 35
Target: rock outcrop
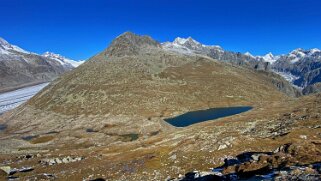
column 287, row 162
column 312, row 89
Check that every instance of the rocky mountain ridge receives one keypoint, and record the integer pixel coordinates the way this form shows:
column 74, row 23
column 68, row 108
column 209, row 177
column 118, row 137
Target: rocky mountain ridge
column 19, row 68
column 191, row 46
column 63, row 60
column 305, row 65
column 300, row 67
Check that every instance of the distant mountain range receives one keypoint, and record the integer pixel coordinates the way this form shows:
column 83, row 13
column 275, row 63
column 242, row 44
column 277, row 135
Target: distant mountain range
column 191, row 46
column 63, row 60
column 300, row 67
column 19, row 68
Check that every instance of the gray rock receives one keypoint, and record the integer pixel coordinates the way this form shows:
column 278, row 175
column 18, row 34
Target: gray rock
column 53, row 161
column 173, row 157
column 255, row 157
column 58, row 161
column 221, row 147
column 312, row 89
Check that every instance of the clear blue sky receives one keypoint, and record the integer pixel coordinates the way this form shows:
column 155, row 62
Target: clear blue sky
column 81, row 28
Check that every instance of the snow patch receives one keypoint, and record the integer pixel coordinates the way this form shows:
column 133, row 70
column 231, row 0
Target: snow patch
column 314, row 50
column 3, row 51
column 180, row 41
column 249, row 54
column 176, row 48
column 18, row 49
column 62, row 60
column 7, row 46
column 188, row 46
column 269, row 58
column 288, row 76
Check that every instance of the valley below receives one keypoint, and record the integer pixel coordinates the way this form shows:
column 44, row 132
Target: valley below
column 108, row 119
column 172, row 153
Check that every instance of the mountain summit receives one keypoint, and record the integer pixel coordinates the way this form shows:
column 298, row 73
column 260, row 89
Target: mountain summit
column 129, row 43
column 188, row 42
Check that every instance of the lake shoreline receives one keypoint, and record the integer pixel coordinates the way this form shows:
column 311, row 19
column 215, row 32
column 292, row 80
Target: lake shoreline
column 194, row 117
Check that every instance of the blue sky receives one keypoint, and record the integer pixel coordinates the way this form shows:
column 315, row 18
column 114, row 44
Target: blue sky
column 81, row 28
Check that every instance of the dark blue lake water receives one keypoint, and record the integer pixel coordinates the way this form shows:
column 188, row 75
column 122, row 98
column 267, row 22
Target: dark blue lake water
column 205, row 115
column 2, row 127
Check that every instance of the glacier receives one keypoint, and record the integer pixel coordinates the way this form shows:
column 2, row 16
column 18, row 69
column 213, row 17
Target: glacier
column 12, row 99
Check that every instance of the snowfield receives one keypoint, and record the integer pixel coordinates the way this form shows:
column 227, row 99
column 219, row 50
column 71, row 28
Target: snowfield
column 11, row 100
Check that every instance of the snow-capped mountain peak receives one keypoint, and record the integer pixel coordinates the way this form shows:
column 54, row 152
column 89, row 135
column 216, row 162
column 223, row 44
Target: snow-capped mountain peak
column 249, row 54
column 183, row 45
column 269, row 55
column 189, row 45
column 299, row 53
column 4, row 43
column 269, row 58
column 6, row 47
column 186, row 41
column 53, row 55
column 180, row 40
column 314, row 50
column 62, row 60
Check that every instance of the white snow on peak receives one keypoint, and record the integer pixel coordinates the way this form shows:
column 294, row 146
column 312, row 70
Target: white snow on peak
column 314, row 50
column 18, row 49
column 7, row 46
column 299, row 53
column 169, row 46
column 180, row 40
column 62, row 60
column 189, row 40
column 4, row 43
column 3, row 51
column 269, row 55
column 289, row 77
column 188, row 46
column 269, row 58
column 249, row 54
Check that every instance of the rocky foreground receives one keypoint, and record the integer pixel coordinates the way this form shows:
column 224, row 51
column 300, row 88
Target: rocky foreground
column 288, row 162
column 282, row 143
column 285, row 163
